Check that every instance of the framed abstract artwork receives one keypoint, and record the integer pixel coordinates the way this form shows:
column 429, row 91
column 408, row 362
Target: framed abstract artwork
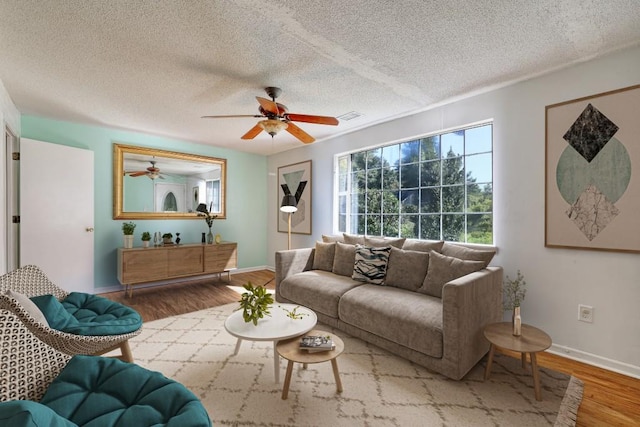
column 592, row 172
column 295, row 179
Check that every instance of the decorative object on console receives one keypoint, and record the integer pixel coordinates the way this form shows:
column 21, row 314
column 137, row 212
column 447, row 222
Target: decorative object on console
column 255, row 303
column 289, row 206
column 127, row 230
column 146, row 237
column 295, row 179
column 513, row 294
column 167, row 239
column 208, row 217
column 218, row 239
column 177, row 238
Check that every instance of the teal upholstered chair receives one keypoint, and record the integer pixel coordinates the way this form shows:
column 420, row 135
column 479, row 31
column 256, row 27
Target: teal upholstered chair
column 73, row 323
column 41, row 386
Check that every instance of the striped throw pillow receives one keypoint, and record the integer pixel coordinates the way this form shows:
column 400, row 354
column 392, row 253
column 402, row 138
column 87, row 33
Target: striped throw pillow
column 371, row 264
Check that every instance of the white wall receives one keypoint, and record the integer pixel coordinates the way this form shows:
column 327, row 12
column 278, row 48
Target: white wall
column 557, row 279
column 9, row 118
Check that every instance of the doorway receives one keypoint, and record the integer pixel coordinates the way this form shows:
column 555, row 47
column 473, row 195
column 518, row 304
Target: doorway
column 11, row 259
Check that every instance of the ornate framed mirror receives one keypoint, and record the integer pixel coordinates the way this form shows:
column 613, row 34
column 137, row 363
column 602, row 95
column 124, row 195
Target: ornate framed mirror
column 158, row 184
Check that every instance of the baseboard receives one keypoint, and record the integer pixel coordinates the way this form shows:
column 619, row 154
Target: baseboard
column 595, row 360
column 116, row 288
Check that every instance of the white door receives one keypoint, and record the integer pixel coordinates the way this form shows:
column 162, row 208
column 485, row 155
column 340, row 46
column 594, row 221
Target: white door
column 56, row 212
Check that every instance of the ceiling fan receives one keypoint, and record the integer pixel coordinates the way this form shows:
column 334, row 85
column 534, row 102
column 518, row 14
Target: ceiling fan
column 152, row 172
column 278, row 118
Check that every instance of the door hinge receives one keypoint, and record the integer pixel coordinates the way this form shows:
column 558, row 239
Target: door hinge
column 15, row 219
column 15, row 156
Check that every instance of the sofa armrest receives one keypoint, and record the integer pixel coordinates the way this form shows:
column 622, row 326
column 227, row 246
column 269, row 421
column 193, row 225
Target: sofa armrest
column 469, row 304
column 292, row 262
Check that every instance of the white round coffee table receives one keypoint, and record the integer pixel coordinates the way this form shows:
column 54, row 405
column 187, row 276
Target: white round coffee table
column 278, row 326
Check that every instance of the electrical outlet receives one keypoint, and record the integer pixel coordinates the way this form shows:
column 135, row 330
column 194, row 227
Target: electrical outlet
column 585, row 313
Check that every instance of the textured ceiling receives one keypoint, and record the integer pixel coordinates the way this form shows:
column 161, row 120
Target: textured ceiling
column 158, row 66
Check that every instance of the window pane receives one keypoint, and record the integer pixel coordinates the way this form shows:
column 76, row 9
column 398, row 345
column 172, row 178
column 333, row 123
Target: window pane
column 430, row 200
column 430, row 148
column 478, row 167
column 374, row 202
column 343, row 165
column 342, row 223
column 480, row 228
column 453, row 199
column 409, row 226
column 342, row 182
column 358, row 181
column 453, row 228
column 452, row 144
column 342, row 204
column 373, row 225
column 391, row 155
column 358, row 161
column 409, row 201
column 410, row 152
column 479, row 198
column 452, row 171
column 478, row 140
column 430, row 173
column 390, row 225
column 391, row 178
column 373, row 180
column 373, row 158
column 391, row 205
column 410, row 175
column 430, row 227
column 357, row 224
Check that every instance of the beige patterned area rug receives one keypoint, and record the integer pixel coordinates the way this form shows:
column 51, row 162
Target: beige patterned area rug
column 380, row 389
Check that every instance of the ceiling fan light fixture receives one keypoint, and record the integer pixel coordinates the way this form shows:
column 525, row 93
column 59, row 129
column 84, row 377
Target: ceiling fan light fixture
column 272, row 126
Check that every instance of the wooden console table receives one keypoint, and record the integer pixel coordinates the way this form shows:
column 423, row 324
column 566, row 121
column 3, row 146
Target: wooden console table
column 143, row 265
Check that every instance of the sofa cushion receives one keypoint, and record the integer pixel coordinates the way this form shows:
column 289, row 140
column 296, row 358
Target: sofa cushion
column 319, row 290
column 57, row 316
column 353, row 239
column 462, row 252
column 423, row 245
column 101, row 391
column 332, row 238
column 27, row 413
column 406, row 269
column 443, row 269
column 323, row 256
column 370, row 264
column 28, row 305
column 384, row 241
column 407, row 318
column 344, row 259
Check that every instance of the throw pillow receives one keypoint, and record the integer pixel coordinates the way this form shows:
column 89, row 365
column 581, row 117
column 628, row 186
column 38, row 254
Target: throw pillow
column 370, row 264
column 462, row 252
column 28, row 305
column 384, row 241
column 407, row 269
column 443, row 269
column 323, row 256
column 332, row 238
column 353, row 239
column 344, row 259
column 423, row 245
column 57, row 316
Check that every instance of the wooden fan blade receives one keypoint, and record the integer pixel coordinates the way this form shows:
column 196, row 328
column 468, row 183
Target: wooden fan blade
column 320, row 120
column 299, row 133
column 268, row 105
column 231, row 116
column 253, row 132
column 139, row 173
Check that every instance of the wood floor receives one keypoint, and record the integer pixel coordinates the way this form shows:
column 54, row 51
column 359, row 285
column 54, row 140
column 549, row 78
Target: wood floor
column 610, row 399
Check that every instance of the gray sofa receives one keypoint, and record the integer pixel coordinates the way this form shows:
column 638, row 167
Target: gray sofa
column 426, row 301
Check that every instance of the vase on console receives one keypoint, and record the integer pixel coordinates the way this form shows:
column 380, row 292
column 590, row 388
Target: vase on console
column 210, row 237
column 517, row 322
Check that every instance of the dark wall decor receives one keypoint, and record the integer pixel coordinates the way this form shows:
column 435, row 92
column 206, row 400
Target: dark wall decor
column 592, row 176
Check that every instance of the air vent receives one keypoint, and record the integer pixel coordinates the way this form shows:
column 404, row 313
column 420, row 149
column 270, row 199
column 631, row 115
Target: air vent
column 349, row 116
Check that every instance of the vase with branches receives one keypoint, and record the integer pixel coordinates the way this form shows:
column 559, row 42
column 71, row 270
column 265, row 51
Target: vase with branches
column 514, row 291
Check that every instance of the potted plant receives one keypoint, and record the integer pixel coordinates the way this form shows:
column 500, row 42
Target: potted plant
column 127, row 230
column 146, row 237
column 255, row 303
column 166, row 238
column 514, row 291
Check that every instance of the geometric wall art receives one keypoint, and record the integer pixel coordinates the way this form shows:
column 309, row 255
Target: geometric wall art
column 295, row 179
column 592, row 172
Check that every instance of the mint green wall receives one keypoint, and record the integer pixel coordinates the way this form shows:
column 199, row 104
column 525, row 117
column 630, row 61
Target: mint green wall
column 246, row 221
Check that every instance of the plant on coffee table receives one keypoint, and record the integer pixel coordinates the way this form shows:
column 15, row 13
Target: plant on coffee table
column 255, row 303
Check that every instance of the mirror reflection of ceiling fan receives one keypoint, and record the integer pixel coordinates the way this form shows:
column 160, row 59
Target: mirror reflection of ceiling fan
column 278, row 118
column 152, row 172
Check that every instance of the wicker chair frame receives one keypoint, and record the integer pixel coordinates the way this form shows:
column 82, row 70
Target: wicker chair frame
column 31, row 281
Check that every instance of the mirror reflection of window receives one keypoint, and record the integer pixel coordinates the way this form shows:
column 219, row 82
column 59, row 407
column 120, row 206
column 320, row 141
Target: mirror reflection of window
column 169, row 203
column 213, row 194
